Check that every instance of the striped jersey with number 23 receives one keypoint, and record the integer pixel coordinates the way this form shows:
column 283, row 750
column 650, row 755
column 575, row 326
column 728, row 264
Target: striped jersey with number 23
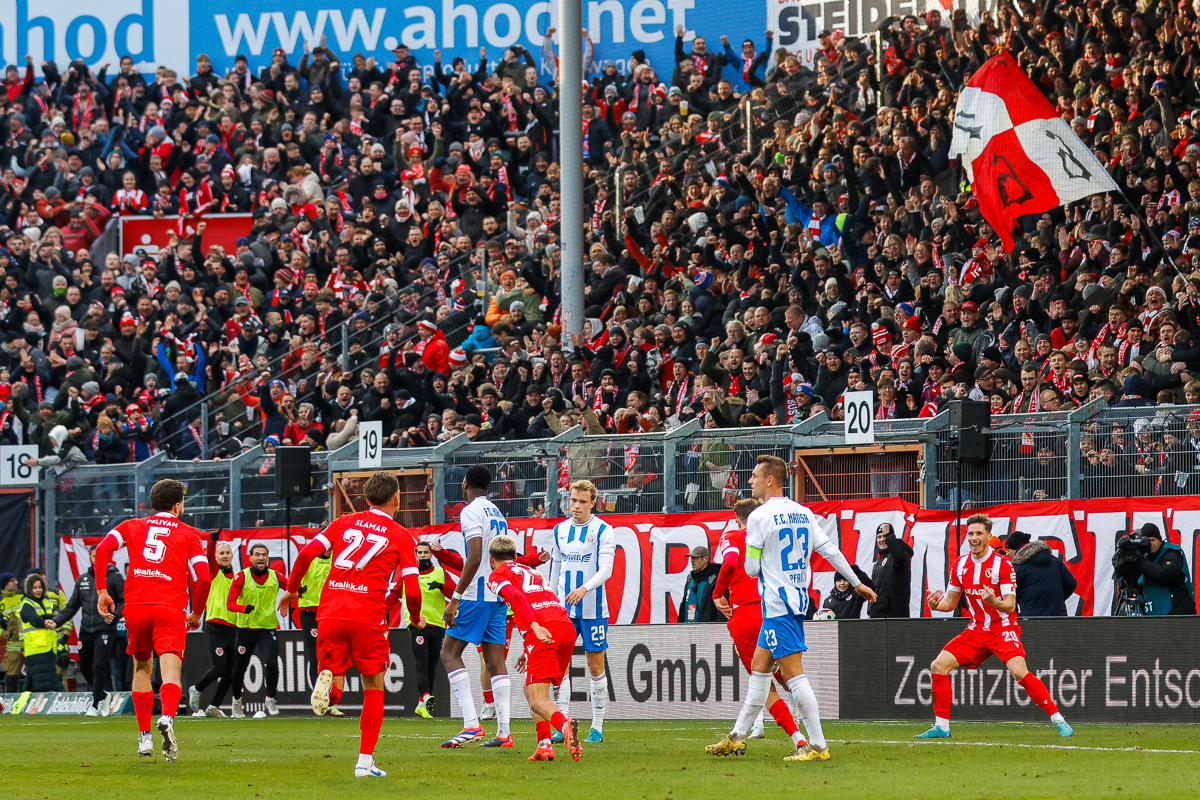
column 787, row 533
column 480, row 519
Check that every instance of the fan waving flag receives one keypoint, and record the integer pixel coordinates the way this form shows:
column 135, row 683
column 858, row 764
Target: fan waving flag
column 1020, row 156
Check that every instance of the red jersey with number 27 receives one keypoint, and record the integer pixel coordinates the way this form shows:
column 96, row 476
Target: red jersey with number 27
column 529, row 582
column 367, row 547
column 743, row 590
column 162, row 552
column 970, row 576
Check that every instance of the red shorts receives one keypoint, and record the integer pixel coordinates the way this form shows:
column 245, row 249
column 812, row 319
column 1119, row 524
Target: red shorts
column 508, row 629
column 744, row 627
column 972, row 647
column 341, row 643
column 155, row 629
column 547, row 663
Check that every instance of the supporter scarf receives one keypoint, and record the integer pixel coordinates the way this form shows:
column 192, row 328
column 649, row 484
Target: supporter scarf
column 127, row 202
column 1103, row 335
column 1127, row 351
column 598, row 211
column 84, row 113
column 14, row 137
column 747, row 67
column 36, row 386
column 631, row 456
column 510, row 113
column 356, row 128
column 701, row 62
column 886, row 411
column 586, row 124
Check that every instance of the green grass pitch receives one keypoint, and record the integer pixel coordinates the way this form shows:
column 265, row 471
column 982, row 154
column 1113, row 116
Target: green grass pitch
column 314, row 758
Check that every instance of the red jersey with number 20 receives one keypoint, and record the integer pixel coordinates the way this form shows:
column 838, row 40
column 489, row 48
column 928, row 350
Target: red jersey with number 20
column 970, row 576
column 529, row 582
column 743, row 590
column 162, row 553
column 367, row 547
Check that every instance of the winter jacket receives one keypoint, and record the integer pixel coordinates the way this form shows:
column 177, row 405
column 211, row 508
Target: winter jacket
column 1165, row 583
column 84, row 598
column 844, row 605
column 698, row 591
column 891, row 575
column 1043, row 582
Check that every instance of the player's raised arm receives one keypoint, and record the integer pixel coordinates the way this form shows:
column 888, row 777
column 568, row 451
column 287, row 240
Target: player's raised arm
column 318, row 546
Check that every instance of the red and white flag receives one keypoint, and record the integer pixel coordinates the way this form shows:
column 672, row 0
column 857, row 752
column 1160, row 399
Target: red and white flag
column 1019, row 155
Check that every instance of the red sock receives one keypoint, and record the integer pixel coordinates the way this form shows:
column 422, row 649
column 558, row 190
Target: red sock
column 143, row 707
column 559, row 722
column 488, row 697
column 783, row 717
column 1038, row 693
column 543, row 729
column 370, row 720
column 942, row 694
column 335, row 694
column 169, row 694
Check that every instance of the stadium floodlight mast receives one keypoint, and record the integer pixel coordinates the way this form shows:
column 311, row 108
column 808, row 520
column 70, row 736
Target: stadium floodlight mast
column 570, row 127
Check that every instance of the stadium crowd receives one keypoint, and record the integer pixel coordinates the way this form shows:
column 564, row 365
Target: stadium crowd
column 760, row 236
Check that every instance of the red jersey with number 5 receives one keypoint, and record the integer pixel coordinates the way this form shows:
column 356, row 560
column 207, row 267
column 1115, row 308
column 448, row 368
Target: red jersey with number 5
column 162, row 552
column 367, row 547
column 970, row 576
column 529, row 582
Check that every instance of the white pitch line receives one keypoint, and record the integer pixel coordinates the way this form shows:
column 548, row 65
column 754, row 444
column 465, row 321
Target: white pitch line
column 1019, row 744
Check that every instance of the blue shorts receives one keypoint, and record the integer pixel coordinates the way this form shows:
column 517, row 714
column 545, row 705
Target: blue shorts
column 480, row 621
column 783, row 636
column 594, row 633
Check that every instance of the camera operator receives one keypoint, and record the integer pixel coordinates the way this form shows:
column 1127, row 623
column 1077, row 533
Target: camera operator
column 1165, row 584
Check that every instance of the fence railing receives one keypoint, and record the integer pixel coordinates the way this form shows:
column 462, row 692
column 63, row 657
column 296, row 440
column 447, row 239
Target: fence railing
column 1094, row 451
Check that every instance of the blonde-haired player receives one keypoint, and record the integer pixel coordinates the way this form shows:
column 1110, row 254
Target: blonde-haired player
column 582, row 550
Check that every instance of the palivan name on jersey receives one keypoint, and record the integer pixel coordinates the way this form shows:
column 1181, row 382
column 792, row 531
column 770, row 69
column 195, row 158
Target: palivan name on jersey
column 347, row 586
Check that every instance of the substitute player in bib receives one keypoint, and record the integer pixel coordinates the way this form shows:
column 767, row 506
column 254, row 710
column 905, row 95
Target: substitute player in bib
column 989, row 583
column 164, row 553
column 220, row 626
column 549, row 642
column 476, row 616
column 368, row 547
column 582, row 551
column 252, row 596
column 781, row 536
column 743, row 609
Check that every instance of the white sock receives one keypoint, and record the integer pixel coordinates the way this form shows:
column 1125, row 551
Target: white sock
column 941, row 723
column 599, row 698
column 758, row 721
column 564, row 695
column 756, row 698
column 365, row 760
column 501, row 690
column 810, row 715
column 1057, row 717
column 460, row 682
column 797, row 738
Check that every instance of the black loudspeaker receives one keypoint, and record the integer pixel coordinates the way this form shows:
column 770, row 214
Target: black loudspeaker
column 970, row 420
column 293, row 471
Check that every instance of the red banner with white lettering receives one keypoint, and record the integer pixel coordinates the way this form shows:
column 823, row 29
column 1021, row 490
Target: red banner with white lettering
column 153, row 233
column 652, row 550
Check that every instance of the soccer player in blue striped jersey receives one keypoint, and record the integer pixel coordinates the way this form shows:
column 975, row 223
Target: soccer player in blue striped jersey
column 781, row 536
column 582, row 551
column 477, row 616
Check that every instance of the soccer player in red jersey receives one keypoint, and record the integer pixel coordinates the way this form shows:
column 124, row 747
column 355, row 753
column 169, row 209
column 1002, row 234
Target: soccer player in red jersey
column 549, row 642
column 743, row 610
column 164, row 553
column 987, row 580
column 367, row 548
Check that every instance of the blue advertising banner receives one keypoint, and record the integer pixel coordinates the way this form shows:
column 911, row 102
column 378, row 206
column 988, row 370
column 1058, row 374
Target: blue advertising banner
column 172, row 33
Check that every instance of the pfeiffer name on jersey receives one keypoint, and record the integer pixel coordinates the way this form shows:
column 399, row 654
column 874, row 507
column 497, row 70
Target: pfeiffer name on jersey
column 1120, row 685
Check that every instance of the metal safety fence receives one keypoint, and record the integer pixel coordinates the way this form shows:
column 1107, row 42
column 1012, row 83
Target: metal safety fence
column 1091, row 452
